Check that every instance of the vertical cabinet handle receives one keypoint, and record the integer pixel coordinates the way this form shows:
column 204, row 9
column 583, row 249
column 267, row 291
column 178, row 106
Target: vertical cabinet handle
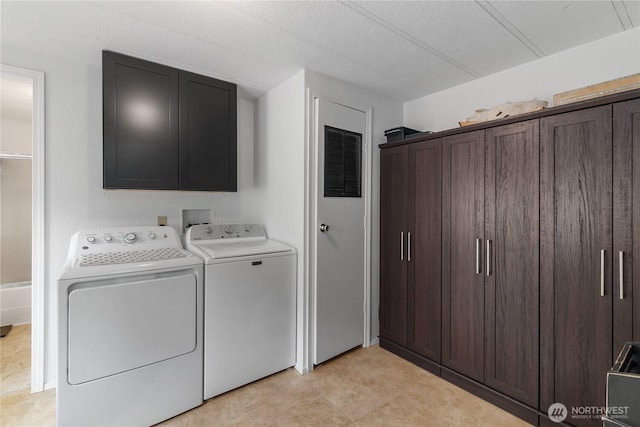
column 409, row 246
column 602, row 272
column 402, row 246
column 488, row 257
column 478, row 256
column 621, row 275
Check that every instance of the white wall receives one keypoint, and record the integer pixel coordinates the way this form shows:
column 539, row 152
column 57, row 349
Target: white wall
column 279, row 185
column 282, row 143
column 68, row 50
column 595, row 62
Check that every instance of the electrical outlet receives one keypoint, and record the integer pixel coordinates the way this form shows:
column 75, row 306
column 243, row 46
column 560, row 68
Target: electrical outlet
column 161, row 220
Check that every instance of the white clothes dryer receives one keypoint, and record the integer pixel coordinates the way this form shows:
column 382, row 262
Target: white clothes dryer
column 129, row 328
column 250, row 300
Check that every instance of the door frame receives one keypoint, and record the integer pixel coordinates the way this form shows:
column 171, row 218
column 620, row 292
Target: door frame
column 36, row 78
column 311, row 191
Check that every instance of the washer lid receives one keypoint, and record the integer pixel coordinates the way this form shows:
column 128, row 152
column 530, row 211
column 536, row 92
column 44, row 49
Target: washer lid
column 217, row 251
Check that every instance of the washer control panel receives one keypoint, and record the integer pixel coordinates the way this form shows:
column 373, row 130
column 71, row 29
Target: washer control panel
column 225, row 231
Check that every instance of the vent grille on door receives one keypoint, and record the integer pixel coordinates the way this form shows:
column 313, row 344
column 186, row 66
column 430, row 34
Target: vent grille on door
column 342, row 163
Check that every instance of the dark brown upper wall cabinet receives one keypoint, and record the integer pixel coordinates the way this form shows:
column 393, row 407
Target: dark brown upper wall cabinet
column 167, row 129
column 140, row 123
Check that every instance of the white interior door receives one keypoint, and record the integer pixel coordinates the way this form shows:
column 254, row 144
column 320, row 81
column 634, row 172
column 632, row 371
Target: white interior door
column 338, row 320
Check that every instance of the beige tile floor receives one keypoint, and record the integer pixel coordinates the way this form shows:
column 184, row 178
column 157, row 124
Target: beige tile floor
column 15, row 362
column 365, row 387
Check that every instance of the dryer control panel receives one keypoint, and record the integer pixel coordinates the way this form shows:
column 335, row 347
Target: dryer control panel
column 226, row 231
column 124, row 244
column 149, row 237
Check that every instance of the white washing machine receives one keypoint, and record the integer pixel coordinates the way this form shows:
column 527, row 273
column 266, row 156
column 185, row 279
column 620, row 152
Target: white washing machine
column 249, row 311
column 129, row 328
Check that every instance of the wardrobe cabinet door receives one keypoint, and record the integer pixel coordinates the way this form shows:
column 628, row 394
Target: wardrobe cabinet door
column 462, row 261
column 425, row 247
column 512, row 285
column 626, row 220
column 576, row 259
column 393, row 240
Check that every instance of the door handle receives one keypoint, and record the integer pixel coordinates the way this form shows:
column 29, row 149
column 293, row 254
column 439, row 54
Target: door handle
column 402, row 246
column 488, row 257
column 324, row 227
column 621, row 259
column 409, row 246
column 602, row 252
column 478, row 262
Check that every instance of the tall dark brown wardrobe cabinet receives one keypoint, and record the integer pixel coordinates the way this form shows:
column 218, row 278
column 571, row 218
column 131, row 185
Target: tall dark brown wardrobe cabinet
column 411, row 206
column 490, row 258
column 507, row 254
column 590, row 160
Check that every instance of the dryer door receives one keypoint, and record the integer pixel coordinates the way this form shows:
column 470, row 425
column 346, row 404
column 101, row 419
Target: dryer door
column 123, row 324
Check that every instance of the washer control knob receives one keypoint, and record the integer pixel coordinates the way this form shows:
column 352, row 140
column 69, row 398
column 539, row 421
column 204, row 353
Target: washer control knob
column 228, row 229
column 208, row 230
column 108, row 238
column 152, row 235
column 247, row 228
column 91, row 239
column 130, row 237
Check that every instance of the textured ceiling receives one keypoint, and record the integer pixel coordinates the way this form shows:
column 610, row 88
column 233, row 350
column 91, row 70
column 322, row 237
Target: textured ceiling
column 400, row 49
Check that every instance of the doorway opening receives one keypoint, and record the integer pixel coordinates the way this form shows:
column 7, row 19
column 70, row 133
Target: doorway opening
column 22, row 228
column 338, row 230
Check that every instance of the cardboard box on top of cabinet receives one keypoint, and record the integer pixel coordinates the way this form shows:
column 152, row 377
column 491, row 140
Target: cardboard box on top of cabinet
column 503, row 111
column 610, row 87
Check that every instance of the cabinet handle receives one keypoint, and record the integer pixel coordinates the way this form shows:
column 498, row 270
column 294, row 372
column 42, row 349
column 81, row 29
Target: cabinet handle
column 621, row 275
column 488, row 257
column 602, row 251
column 409, row 246
column 478, row 256
column 402, row 246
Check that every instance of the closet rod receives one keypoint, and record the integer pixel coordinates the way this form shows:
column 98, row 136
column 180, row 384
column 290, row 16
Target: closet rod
column 16, row 156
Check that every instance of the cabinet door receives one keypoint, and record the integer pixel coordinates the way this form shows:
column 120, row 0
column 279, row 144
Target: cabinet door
column 140, row 141
column 424, row 247
column 626, row 220
column 512, row 196
column 393, row 237
column 462, row 234
column 208, row 148
column 576, row 254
